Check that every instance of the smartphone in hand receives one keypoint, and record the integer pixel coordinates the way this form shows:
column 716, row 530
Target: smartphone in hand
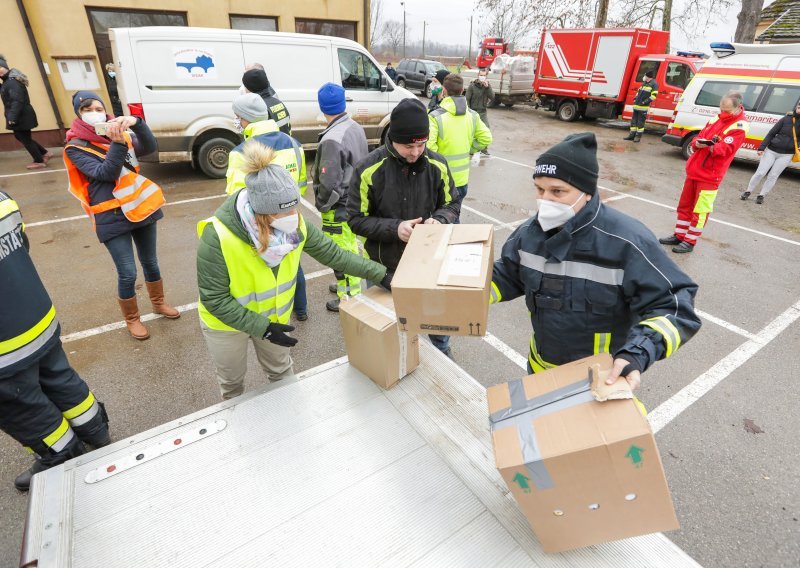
column 101, row 128
column 705, row 142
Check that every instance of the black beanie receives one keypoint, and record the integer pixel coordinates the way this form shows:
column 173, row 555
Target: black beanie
column 255, row 80
column 441, row 74
column 409, row 122
column 3, row 62
column 573, row 160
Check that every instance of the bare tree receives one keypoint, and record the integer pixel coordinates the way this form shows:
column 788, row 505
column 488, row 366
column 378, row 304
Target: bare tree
column 392, row 36
column 518, row 19
column 375, row 22
column 602, row 14
column 748, row 19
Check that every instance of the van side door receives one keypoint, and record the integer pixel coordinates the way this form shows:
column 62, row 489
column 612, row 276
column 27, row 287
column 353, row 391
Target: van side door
column 367, row 96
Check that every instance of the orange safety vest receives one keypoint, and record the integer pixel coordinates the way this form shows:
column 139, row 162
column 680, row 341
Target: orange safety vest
column 137, row 196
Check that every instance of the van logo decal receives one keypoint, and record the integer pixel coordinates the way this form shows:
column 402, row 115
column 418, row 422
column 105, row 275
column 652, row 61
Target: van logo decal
column 194, row 63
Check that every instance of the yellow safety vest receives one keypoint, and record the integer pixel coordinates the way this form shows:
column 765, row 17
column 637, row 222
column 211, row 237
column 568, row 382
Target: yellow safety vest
column 252, row 282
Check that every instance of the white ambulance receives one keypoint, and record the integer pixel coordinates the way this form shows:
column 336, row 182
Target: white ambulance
column 182, row 81
column 767, row 76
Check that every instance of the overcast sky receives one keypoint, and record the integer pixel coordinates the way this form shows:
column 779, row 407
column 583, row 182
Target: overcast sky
column 448, row 22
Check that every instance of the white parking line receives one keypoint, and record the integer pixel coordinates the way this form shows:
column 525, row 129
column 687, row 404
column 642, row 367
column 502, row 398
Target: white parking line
column 32, row 173
column 727, row 325
column 689, row 394
column 506, row 350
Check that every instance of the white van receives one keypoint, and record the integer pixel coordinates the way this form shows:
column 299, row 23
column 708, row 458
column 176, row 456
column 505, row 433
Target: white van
column 767, row 76
column 183, row 81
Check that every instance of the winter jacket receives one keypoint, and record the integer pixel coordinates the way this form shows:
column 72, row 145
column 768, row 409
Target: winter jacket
column 277, row 110
column 779, row 138
column 103, row 174
column 709, row 164
column 386, row 190
column 478, row 96
column 342, row 145
column 392, row 73
column 17, row 103
column 214, row 282
column 601, row 283
column 645, row 96
column 457, row 132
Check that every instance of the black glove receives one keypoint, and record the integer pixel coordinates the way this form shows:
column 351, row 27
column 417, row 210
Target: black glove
column 386, row 282
column 276, row 333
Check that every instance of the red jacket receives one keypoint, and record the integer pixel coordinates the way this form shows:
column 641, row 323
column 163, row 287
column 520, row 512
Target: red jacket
column 709, row 164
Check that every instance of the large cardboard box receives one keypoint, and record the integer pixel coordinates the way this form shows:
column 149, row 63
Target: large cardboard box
column 583, row 472
column 374, row 344
column 442, row 283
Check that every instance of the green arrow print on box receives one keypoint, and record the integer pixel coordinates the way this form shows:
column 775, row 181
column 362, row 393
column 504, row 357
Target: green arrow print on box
column 635, row 455
column 522, row 481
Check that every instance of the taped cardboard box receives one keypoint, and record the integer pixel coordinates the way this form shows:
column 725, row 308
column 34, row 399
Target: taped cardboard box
column 442, row 283
column 583, row 472
column 374, row 344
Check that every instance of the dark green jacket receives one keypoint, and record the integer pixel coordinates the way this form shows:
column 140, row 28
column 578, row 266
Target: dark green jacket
column 214, row 282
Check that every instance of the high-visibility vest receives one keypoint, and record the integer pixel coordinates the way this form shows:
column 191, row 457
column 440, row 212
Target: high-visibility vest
column 137, row 196
column 38, row 324
column 253, row 284
column 457, row 137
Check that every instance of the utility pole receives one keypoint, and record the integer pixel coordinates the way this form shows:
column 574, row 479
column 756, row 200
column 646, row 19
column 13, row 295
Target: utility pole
column 424, row 27
column 469, row 44
column 403, row 4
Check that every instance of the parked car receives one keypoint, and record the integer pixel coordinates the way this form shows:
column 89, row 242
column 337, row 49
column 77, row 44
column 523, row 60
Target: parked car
column 417, row 74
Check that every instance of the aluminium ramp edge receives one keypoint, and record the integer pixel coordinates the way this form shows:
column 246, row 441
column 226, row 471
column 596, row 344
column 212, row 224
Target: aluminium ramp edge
column 328, row 470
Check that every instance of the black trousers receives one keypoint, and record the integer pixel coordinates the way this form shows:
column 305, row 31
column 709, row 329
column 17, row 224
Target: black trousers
column 48, row 408
column 35, row 149
column 637, row 121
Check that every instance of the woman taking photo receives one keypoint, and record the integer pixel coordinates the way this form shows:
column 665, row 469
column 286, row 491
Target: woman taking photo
column 247, row 266
column 776, row 153
column 124, row 206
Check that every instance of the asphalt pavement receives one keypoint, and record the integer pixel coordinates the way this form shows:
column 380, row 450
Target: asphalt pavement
column 724, row 407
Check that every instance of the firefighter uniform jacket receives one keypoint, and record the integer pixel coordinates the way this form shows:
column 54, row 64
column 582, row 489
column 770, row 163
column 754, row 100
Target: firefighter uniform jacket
column 599, row 284
column 646, row 94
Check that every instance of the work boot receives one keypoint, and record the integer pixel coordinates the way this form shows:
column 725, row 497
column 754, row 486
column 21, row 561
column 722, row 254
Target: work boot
column 630, row 136
column 333, row 288
column 156, row 291
column 23, row 480
column 670, row 240
column 638, row 137
column 760, row 199
column 745, row 195
column 130, row 309
column 683, row 247
column 332, row 305
column 102, row 438
column 301, row 316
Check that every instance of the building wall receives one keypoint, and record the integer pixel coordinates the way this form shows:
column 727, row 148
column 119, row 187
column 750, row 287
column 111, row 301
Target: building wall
column 62, row 29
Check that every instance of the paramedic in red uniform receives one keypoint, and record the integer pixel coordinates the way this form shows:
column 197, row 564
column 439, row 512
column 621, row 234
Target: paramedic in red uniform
column 714, row 148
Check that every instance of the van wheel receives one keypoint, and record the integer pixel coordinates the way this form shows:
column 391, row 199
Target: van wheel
column 427, row 92
column 687, row 148
column 212, row 157
column 567, row 111
column 508, row 104
column 401, row 83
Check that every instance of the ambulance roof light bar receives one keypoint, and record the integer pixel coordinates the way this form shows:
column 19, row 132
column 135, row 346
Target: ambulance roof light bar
column 698, row 54
column 722, row 49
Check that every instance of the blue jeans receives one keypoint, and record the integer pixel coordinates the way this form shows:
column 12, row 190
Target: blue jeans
column 461, row 193
column 121, row 249
column 300, row 299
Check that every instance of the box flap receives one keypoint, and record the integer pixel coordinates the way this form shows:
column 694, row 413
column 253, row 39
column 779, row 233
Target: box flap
column 374, row 308
column 463, row 234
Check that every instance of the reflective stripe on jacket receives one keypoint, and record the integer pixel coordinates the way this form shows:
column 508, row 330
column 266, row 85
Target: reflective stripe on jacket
column 457, row 132
column 253, row 284
column 645, row 96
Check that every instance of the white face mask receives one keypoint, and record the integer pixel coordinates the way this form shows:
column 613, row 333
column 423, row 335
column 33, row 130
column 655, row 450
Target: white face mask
column 237, row 124
column 93, row 117
column 286, row 224
column 112, row 74
column 553, row 214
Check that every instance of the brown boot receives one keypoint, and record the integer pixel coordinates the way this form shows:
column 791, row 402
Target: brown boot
column 156, row 291
column 131, row 312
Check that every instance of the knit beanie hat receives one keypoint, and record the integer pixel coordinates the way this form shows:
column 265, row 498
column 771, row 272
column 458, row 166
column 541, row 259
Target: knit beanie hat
column 441, row 74
column 250, row 107
column 81, row 96
column 573, row 160
column 3, row 62
column 270, row 187
column 331, row 99
column 409, row 122
column 255, row 80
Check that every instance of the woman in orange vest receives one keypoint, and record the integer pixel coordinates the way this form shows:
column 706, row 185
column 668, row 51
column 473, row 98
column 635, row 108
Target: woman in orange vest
column 124, row 206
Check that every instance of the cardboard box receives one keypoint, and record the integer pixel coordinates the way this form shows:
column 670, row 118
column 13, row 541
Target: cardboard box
column 374, row 344
column 442, row 283
column 583, row 472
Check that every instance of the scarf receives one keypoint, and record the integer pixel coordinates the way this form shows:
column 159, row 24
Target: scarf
column 85, row 131
column 280, row 243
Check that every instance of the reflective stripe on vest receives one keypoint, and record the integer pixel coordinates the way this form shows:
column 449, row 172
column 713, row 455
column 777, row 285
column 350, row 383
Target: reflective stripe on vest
column 457, row 162
column 252, row 283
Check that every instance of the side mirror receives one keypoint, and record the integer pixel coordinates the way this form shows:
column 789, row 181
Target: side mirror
column 385, row 84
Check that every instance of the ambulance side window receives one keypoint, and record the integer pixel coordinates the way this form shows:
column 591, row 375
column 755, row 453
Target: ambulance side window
column 646, row 66
column 712, row 92
column 678, row 74
column 780, row 99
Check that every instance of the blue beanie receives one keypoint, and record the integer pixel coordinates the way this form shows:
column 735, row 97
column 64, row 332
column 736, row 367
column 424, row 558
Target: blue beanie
column 81, row 96
column 331, row 99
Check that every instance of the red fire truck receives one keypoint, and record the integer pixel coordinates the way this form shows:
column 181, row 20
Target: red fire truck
column 490, row 48
column 595, row 73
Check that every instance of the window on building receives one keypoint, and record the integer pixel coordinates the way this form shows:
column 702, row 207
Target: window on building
column 781, row 99
column 255, row 23
column 712, row 92
column 346, row 30
column 358, row 72
column 645, row 66
column 678, row 74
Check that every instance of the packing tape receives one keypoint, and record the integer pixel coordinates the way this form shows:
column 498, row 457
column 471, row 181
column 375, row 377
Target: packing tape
column 401, row 335
column 524, row 411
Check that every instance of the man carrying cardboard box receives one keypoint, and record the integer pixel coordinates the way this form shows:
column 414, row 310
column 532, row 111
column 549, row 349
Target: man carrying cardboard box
column 398, row 186
column 595, row 280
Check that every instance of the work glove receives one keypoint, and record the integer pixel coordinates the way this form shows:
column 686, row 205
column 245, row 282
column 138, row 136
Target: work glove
column 276, row 333
column 386, row 282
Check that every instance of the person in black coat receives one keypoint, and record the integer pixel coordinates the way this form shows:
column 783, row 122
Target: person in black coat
column 19, row 114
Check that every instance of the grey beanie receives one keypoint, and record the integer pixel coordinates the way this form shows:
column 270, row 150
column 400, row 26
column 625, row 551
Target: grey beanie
column 272, row 190
column 250, row 107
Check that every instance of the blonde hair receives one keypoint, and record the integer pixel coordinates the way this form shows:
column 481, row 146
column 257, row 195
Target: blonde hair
column 258, row 156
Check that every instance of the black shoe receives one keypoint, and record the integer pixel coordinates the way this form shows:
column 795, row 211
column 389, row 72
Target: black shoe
column 637, row 138
column 670, row 240
column 301, row 317
column 23, row 480
column 332, row 305
column 485, row 152
column 683, row 247
column 101, row 443
column 630, row 136
column 333, row 288
column 760, row 199
column 745, row 195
